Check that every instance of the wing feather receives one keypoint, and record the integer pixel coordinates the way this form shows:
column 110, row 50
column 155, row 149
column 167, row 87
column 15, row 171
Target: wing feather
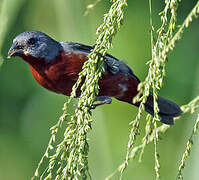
column 111, row 63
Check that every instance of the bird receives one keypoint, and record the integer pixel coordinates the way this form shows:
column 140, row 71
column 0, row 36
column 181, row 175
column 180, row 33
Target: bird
column 56, row 66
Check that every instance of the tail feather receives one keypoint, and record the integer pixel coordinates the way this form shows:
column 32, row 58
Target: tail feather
column 167, row 109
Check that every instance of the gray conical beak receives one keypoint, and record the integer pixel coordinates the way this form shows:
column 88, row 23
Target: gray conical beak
column 15, row 51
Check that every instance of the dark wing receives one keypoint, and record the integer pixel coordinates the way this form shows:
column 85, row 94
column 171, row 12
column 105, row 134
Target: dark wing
column 71, row 46
column 111, row 63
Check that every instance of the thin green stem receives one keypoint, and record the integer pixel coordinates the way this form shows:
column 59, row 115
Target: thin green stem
column 187, row 151
column 164, row 44
column 70, row 156
column 150, row 133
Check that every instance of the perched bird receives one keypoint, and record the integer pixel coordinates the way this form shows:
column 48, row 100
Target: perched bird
column 56, row 65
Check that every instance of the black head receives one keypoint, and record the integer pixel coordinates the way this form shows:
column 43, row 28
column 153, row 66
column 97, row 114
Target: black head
column 35, row 44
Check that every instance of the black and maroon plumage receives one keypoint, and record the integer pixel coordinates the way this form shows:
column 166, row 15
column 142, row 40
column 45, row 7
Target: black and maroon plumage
column 56, row 65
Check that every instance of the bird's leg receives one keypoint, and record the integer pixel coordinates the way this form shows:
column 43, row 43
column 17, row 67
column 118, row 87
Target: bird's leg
column 102, row 100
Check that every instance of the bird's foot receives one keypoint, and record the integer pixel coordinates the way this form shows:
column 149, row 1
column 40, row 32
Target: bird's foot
column 102, row 100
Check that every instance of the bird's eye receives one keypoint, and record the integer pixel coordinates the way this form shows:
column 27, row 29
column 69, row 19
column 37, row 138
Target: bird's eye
column 31, row 41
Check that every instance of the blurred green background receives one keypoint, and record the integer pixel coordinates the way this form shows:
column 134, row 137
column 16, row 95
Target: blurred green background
column 27, row 111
